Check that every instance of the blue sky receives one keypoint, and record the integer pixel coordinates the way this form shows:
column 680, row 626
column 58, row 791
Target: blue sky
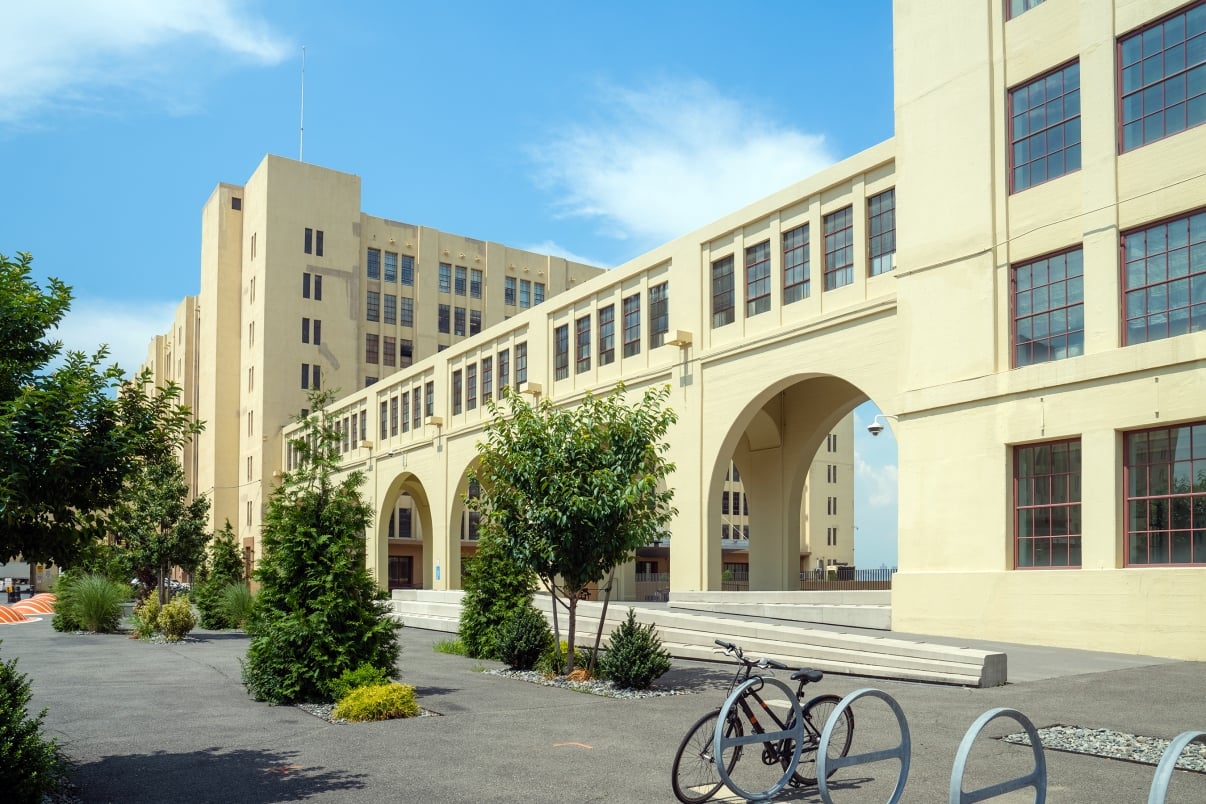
column 592, row 130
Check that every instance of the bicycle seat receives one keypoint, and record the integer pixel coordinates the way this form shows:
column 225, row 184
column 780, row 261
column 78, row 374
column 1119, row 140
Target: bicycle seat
column 810, row 676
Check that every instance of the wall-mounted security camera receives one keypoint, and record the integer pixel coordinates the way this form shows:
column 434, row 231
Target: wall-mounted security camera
column 875, row 428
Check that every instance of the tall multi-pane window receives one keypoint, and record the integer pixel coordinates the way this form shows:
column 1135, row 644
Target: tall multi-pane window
column 416, row 413
column 443, row 317
column 659, row 313
column 405, row 412
column 372, row 266
column 391, row 267
column 461, row 280
column 757, row 279
column 582, row 345
column 445, row 277
column 406, row 316
column 457, row 399
column 475, row 321
column 1048, row 308
column 390, row 311
column 389, row 350
column 372, row 306
column 537, row 292
column 607, row 334
column 881, row 232
column 475, row 283
column 408, row 270
column 509, row 291
column 393, row 415
column 1047, row 504
column 1044, row 129
column 504, row 369
column 471, row 386
column 487, row 379
column 521, row 363
column 561, row 352
column 525, row 293
column 632, row 325
column 1163, row 89
column 722, row 292
column 372, row 345
column 1165, row 477
column 1018, row 6
column 839, row 248
column 1164, row 279
column 383, row 425
column 795, row 264
column 458, row 321
column 406, row 352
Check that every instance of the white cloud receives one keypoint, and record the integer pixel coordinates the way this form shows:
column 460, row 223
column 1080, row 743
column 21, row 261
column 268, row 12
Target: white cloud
column 662, row 161
column 877, row 484
column 67, row 52
column 127, row 328
column 556, row 250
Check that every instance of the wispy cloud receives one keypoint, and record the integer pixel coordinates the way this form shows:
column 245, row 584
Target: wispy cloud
column 555, row 249
column 71, row 53
column 878, row 482
column 126, row 328
column 663, row 160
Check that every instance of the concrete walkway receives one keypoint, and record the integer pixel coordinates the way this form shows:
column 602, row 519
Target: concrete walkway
column 163, row 723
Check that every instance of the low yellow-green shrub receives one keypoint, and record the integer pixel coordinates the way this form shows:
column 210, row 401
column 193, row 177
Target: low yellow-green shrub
column 176, row 619
column 146, row 617
column 378, row 702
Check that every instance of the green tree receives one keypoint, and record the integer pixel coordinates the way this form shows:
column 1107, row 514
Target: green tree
column 573, row 492
column 157, row 526
column 318, row 612
column 69, row 435
column 223, row 566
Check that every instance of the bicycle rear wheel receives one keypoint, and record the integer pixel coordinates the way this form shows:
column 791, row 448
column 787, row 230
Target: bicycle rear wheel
column 816, row 715
column 694, row 775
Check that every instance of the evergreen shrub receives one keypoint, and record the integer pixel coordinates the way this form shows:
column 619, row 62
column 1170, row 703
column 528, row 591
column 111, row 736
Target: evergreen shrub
column 496, row 585
column 523, row 638
column 634, row 656
column 30, row 765
column 378, row 702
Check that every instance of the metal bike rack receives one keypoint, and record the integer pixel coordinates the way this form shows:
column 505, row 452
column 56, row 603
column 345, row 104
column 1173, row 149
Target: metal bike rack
column 720, row 741
column 1168, row 763
column 903, row 751
column 1036, row 778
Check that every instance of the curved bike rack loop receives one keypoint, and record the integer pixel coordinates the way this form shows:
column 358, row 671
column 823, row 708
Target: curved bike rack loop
column 903, row 751
column 720, row 741
column 1168, row 763
column 1036, row 778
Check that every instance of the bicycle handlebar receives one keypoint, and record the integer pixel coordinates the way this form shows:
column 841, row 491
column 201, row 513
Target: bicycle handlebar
column 764, row 662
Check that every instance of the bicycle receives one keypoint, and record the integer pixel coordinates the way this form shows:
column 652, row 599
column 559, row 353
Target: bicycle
column 696, row 775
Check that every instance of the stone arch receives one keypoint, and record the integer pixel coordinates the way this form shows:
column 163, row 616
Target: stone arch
column 405, row 557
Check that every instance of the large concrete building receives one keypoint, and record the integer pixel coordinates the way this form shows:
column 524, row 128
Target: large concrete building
column 1018, row 279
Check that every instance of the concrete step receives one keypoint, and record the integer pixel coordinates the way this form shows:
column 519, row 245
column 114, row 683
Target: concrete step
column 690, row 634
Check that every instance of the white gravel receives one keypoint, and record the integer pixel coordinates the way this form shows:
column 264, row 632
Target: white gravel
column 1113, row 745
column 594, row 687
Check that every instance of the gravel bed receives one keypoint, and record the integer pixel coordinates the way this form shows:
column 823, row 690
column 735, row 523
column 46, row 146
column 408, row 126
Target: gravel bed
column 594, row 687
column 1113, row 745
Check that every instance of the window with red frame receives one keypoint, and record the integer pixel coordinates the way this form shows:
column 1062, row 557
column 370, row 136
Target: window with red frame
column 1047, row 504
column 1166, row 495
column 1164, row 279
column 1162, row 66
column 1044, row 128
column 1048, row 308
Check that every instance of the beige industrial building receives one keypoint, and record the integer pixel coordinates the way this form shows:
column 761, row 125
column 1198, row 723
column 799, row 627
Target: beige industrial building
column 301, row 290
column 1017, row 279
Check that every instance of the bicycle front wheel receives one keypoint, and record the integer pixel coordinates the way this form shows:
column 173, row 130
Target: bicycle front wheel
column 694, row 774
column 816, row 715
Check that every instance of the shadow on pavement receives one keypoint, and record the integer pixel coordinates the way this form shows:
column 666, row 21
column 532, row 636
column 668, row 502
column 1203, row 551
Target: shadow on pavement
column 255, row 777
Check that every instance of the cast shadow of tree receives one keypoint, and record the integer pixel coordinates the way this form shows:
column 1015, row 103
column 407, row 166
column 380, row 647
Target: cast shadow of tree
column 210, row 774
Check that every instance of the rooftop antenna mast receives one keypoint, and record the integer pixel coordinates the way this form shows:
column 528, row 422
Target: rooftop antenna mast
column 301, row 134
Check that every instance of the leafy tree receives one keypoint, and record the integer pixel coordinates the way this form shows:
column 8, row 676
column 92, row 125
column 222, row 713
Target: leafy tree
column 69, row 436
column 573, row 492
column 318, row 612
column 157, row 526
column 222, row 567
column 495, row 587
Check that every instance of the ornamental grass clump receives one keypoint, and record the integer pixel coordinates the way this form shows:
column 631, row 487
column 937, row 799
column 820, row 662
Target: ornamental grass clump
column 378, row 702
column 236, row 603
column 635, row 656
column 88, row 603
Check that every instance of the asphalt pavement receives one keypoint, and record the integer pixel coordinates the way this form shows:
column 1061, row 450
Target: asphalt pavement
column 165, row 723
